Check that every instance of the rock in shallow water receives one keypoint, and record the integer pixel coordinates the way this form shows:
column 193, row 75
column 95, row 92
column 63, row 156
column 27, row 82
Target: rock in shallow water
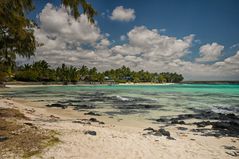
column 57, row 105
column 162, row 120
column 182, row 128
column 202, row 123
column 84, row 106
column 177, row 122
column 222, row 124
column 92, row 113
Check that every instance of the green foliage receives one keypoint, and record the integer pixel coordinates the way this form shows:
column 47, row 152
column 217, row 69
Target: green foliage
column 3, row 72
column 3, row 76
column 27, row 76
column 67, row 74
column 172, row 77
column 74, row 5
column 16, row 33
column 41, row 71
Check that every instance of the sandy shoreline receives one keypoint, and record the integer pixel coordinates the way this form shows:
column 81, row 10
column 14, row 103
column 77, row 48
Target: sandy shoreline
column 146, row 84
column 20, row 85
column 117, row 138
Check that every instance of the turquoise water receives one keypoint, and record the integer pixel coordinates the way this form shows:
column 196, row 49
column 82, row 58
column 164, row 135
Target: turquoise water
column 137, row 100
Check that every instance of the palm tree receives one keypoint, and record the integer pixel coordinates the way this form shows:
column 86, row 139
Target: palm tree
column 73, row 74
column 27, row 67
column 42, row 69
column 83, row 72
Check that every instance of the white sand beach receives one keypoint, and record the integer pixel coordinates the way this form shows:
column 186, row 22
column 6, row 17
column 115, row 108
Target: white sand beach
column 20, row 85
column 118, row 139
column 145, row 83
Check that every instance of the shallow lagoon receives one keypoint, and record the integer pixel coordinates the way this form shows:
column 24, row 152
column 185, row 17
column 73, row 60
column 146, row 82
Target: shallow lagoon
column 143, row 101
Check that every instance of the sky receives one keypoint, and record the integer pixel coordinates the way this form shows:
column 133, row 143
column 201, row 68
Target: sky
column 199, row 39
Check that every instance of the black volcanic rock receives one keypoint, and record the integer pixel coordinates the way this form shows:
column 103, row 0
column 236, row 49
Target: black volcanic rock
column 93, row 133
column 159, row 132
column 182, row 128
column 162, row 120
column 3, row 138
column 174, row 121
column 202, row 124
column 57, row 105
column 92, row 113
column 149, row 129
column 164, row 132
column 84, row 106
column 222, row 124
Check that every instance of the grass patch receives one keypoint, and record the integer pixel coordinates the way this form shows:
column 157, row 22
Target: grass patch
column 11, row 113
column 23, row 140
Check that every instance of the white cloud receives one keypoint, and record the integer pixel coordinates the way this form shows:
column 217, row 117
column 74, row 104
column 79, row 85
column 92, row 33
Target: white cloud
column 198, row 41
column 233, row 59
column 57, row 22
column 230, row 64
column 189, row 39
column 155, row 46
column 163, row 30
column 210, row 52
column 123, row 14
column 66, row 40
column 123, row 37
column 107, row 34
column 235, row 45
column 104, row 43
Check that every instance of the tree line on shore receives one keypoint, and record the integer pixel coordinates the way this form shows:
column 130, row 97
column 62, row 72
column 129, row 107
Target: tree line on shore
column 41, row 71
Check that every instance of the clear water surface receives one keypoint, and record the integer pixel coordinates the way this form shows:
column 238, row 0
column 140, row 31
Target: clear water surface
column 146, row 101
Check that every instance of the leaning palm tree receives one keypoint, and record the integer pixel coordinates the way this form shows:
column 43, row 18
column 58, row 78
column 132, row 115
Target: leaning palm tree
column 74, row 5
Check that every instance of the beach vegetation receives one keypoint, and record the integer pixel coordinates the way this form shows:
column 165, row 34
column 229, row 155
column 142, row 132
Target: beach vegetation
column 23, row 139
column 41, row 71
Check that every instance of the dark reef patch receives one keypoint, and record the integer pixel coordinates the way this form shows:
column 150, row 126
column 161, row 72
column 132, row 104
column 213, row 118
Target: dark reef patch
column 92, row 113
column 220, row 124
column 159, row 132
column 125, row 112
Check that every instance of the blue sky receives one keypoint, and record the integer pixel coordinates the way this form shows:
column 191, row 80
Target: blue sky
column 214, row 24
column 209, row 20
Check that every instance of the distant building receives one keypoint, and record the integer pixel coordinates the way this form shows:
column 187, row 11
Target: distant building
column 106, row 78
column 128, row 78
